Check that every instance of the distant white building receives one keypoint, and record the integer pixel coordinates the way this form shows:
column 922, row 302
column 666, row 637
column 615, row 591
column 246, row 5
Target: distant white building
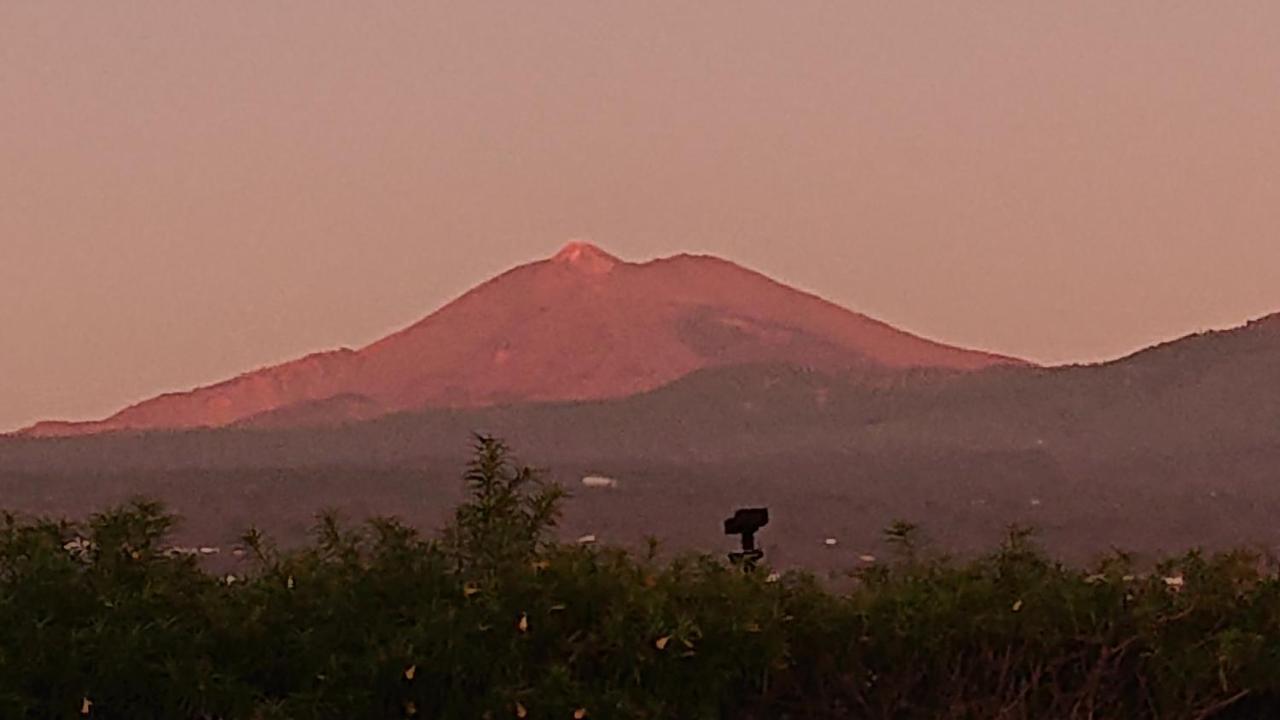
column 599, row 481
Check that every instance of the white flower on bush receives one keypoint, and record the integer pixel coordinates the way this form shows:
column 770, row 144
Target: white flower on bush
column 78, row 547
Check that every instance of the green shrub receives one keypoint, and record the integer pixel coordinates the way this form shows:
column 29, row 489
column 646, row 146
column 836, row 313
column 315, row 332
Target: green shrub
column 494, row 619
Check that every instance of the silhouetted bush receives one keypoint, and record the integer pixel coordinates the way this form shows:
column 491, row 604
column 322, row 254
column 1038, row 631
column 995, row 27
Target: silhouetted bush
column 495, row 620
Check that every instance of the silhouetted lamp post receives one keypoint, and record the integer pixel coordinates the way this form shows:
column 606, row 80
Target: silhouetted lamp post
column 746, row 522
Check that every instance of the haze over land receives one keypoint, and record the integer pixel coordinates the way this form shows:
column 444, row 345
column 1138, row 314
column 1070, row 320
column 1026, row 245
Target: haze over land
column 189, row 192
column 702, row 386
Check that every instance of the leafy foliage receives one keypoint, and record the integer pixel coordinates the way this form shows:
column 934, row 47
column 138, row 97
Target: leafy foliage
column 508, row 516
column 495, row 620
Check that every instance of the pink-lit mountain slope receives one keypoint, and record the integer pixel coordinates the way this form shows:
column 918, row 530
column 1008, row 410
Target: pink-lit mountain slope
column 582, row 325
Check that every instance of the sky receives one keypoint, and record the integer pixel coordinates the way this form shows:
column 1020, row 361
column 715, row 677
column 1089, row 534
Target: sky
column 193, row 190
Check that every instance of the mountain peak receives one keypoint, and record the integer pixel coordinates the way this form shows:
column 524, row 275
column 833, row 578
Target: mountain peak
column 580, row 326
column 586, row 257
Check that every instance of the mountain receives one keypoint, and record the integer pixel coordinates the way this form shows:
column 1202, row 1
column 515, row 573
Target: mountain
column 582, row 325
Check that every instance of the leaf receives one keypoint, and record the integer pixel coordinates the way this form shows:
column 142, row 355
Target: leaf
column 469, row 589
column 661, row 643
column 1017, row 605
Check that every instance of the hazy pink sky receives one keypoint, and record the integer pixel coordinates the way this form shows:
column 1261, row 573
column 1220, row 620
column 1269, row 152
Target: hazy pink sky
column 191, row 190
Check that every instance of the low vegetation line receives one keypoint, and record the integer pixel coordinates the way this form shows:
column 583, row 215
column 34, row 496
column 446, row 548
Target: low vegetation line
column 494, row 619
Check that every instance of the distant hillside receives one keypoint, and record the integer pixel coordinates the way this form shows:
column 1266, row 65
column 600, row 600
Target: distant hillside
column 1214, row 391
column 1172, row 447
